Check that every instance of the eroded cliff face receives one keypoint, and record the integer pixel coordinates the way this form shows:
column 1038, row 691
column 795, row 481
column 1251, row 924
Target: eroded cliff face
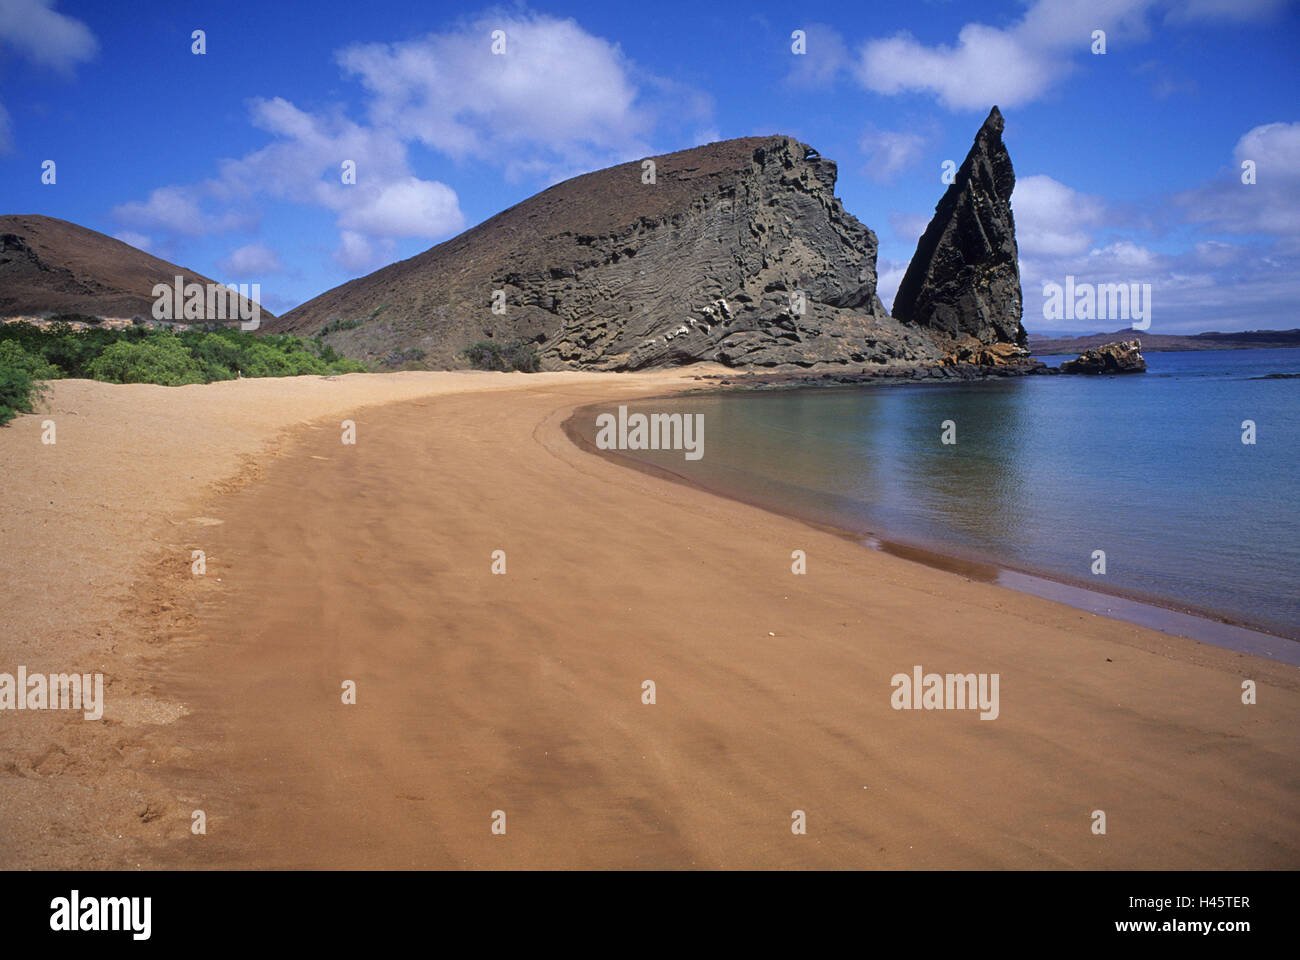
column 737, row 252
column 964, row 280
column 764, row 269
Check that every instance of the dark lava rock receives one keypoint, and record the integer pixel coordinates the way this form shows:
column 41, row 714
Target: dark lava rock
column 1121, row 357
column 964, row 279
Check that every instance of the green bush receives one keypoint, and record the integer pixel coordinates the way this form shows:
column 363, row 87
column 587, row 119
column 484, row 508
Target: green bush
column 71, row 351
column 339, row 324
column 518, row 355
column 20, row 376
column 523, row 356
column 218, row 357
column 34, row 364
column 18, row 392
column 137, row 354
column 161, row 358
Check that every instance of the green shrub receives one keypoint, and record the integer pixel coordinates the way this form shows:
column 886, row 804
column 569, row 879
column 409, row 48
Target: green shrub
column 18, row 392
column 351, row 323
column 194, row 354
column 339, row 324
column 486, row 355
column 341, row 364
column 12, row 354
column 20, row 373
column 161, row 358
column 518, row 355
column 217, row 357
column 523, row 356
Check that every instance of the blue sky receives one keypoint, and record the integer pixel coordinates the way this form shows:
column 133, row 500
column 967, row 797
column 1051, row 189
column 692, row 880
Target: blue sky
column 1128, row 163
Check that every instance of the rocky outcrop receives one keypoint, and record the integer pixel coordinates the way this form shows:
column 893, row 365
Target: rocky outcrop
column 964, row 279
column 737, row 252
column 999, row 356
column 1122, row 357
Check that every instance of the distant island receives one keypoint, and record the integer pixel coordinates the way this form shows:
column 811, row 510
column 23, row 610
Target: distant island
column 1045, row 345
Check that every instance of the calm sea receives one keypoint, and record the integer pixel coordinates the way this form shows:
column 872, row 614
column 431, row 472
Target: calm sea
column 1151, row 469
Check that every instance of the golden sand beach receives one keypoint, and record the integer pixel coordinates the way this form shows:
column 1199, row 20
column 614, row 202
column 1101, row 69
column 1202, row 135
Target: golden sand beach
column 477, row 692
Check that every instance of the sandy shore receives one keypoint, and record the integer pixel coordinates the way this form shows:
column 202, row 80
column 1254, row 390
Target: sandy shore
column 522, row 692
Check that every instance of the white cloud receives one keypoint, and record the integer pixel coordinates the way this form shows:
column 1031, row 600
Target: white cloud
column 1020, row 63
column 986, row 67
column 889, row 274
column 179, row 211
column 131, row 238
column 1275, row 146
column 355, row 252
column 172, row 208
column 252, row 260
column 889, row 152
column 304, row 165
column 824, row 57
column 1053, row 219
column 1005, row 66
column 407, row 208
column 44, row 36
column 1215, row 253
column 1122, row 255
column 557, row 90
column 1269, row 206
column 565, row 100
column 1209, row 285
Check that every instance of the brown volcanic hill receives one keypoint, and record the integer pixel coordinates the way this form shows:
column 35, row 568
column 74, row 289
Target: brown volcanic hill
column 53, row 266
column 608, row 272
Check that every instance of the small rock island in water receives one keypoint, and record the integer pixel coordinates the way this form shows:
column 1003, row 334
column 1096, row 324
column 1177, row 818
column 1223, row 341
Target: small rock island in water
column 1122, row 357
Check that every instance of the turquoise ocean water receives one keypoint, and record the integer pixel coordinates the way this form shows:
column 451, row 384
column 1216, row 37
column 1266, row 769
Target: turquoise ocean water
column 1150, row 469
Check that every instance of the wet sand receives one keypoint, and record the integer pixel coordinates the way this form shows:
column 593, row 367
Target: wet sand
column 522, row 692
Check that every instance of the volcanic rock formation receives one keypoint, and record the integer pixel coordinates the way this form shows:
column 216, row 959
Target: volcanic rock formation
column 964, row 279
column 737, row 252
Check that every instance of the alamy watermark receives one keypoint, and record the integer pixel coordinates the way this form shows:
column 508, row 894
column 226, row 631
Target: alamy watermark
column 946, row 691
column 207, row 302
column 76, row 913
column 55, row 691
column 655, row 431
column 1100, row 301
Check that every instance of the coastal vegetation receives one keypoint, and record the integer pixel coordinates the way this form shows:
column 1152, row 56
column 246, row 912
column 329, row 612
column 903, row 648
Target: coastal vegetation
column 20, row 380
column 30, row 354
